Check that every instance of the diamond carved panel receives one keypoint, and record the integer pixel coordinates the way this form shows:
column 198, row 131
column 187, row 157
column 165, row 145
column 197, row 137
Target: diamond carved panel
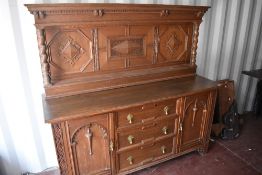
column 70, row 52
column 123, row 47
column 173, row 44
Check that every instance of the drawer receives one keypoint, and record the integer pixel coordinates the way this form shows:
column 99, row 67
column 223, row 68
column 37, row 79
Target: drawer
column 135, row 115
column 145, row 154
column 140, row 134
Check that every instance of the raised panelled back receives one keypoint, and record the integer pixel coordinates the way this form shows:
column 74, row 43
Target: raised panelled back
column 92, row 47
column 71, row 50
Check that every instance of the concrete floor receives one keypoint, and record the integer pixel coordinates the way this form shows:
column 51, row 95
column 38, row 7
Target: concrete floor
column 242, row 156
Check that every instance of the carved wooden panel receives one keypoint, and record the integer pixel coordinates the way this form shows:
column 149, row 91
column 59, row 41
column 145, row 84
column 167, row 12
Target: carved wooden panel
column 81, row 49
column 93, row 47
column 175, row 43
column 121, row 47
column 69, row 50
column 195, row 114
column 89, row 140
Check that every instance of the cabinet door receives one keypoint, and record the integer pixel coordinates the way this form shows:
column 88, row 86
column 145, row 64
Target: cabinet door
column 91, row 142
column 195, row 117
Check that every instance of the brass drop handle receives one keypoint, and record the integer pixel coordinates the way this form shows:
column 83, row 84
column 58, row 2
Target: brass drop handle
column 111, row 146
column 165, row 129
column 130, row 139
column 130, row 160
column 166, row 110
column 130, row 118
column 181, row 127
column 163, row 149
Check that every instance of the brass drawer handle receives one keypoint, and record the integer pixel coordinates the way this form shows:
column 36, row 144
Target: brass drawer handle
column 163, row 149
column 130, row 118
column 166, row 110
column 111, row 146
column 165, row 130
column 180, row 127
column 130, row 160
column 130, row 139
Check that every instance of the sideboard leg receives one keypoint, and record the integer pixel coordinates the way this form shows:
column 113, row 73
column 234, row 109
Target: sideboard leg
column 203, row 150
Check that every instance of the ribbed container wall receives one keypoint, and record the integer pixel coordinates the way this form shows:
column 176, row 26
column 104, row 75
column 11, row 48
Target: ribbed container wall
column 230, row 40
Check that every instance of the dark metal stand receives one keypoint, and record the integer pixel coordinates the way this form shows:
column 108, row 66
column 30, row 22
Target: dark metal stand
column 258, row 97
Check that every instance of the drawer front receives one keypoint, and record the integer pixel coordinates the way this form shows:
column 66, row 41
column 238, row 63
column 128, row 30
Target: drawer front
column 138, row 115
column 146, row 154
column 138, row 135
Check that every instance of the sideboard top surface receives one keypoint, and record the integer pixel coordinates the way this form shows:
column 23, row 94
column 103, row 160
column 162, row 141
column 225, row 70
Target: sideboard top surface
column 71, row 107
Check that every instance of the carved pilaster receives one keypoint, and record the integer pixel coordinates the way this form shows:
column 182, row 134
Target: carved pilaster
column 156, row 44
column 43, row 56
column 60, row 149
column 194, row 43
column 95, row 49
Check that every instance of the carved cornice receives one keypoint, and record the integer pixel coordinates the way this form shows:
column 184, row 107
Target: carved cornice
column 99, row 12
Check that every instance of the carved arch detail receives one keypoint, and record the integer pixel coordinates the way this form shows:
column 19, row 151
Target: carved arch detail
column 197, row 104
column 88, row 127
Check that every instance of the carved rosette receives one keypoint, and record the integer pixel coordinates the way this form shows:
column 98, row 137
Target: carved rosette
column 60, row 148
column 194, row 43
column 43, row 56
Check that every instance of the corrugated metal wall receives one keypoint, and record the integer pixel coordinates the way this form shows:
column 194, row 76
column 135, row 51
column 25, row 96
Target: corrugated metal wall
column 230, row 41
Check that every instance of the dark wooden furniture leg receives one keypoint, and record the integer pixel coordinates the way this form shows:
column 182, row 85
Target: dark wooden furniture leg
column 258, row 99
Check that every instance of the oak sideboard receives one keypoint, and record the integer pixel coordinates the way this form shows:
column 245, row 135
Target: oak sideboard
column 121, row 89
